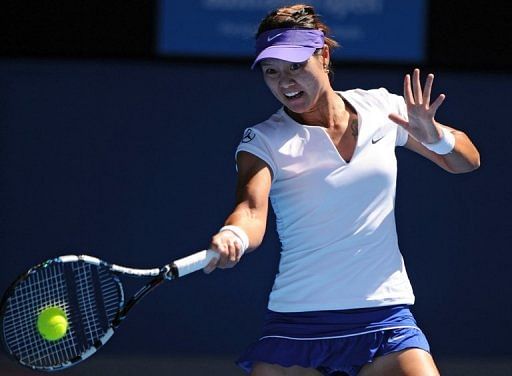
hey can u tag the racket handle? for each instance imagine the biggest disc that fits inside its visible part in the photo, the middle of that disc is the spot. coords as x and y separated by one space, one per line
192 263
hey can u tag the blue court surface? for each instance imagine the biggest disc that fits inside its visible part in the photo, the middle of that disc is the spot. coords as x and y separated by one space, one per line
224 366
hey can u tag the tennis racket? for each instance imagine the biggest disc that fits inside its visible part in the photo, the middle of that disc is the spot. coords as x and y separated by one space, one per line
90 293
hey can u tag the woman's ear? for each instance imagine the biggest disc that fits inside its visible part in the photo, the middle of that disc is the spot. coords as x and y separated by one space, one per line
326 57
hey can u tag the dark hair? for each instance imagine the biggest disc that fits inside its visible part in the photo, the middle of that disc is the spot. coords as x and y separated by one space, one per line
300 16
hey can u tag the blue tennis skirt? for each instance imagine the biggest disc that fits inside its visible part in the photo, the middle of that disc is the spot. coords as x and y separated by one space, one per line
334 342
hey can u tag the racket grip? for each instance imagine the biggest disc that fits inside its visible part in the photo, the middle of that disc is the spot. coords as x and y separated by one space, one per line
194 262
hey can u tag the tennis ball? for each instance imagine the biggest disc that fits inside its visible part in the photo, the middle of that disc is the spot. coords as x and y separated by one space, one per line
52 323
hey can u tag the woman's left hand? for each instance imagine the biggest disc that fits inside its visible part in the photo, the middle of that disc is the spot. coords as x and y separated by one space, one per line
421 124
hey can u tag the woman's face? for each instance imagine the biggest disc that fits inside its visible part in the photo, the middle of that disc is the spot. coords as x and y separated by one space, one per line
298 86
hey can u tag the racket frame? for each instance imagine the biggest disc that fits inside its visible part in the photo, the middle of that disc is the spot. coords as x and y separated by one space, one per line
174 270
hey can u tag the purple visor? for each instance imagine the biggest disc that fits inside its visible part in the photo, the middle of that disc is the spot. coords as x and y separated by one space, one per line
294 45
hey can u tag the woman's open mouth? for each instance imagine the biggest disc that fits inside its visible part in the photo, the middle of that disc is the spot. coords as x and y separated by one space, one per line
294 94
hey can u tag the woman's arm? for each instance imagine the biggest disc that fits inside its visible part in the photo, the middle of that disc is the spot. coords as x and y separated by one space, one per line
425 131
463 158
249 215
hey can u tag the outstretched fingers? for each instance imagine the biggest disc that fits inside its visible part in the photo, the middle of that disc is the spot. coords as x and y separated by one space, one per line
414 94
408 96
428 89
416 87
399 120
438 102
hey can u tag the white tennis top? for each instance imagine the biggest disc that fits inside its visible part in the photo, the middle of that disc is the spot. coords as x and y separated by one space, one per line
335 219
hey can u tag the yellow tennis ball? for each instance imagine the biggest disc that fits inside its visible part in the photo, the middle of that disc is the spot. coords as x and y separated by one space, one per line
52 323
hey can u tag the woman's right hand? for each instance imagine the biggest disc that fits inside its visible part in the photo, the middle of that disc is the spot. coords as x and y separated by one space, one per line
230 250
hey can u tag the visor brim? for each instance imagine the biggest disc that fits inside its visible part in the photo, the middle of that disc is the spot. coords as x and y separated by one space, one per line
293 54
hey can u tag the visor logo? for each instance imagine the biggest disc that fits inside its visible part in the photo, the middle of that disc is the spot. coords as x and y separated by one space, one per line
271 38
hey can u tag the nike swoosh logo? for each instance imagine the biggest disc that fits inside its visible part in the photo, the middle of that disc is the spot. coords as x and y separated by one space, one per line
375 140
271 38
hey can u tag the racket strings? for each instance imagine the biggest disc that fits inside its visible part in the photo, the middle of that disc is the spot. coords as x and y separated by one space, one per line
40 290
98 298
49 286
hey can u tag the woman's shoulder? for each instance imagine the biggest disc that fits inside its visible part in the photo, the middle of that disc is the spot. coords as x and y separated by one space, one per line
380 97
276 124
379 94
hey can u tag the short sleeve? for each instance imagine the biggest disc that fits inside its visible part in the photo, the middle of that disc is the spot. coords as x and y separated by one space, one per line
402 135
392 103
254 142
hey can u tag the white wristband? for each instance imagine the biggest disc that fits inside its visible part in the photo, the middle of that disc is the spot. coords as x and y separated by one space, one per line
240 234
444 145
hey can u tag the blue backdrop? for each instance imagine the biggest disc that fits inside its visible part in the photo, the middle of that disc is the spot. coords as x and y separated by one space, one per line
369 30
133 162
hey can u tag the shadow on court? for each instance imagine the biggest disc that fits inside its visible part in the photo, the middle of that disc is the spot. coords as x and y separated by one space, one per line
219 366
134 366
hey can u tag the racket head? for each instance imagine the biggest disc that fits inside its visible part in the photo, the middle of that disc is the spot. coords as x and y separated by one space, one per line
84 288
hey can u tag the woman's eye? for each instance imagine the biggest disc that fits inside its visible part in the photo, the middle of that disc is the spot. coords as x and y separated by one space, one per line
295 66
270 71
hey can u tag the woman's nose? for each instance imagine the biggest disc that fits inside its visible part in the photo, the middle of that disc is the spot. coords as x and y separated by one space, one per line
286 81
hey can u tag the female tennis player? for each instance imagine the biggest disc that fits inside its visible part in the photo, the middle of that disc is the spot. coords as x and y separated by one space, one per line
326 159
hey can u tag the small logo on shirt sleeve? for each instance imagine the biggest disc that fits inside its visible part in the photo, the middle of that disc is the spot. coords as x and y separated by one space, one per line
248 136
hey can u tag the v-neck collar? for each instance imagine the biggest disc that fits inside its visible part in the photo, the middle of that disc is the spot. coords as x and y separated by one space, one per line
324 130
